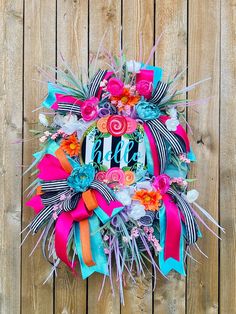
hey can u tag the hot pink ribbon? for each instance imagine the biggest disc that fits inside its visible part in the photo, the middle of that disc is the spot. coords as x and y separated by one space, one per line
61 98
173 229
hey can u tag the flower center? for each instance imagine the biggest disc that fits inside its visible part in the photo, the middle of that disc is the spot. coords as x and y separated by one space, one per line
147 198
124 99
72 146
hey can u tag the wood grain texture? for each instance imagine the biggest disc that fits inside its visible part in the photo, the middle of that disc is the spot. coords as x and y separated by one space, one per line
72 45
203 62
227 164
171 22
104 17
11 60
138 295
39 50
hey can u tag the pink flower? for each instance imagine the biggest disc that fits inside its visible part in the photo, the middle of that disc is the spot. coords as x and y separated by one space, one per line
115 86
144 88
115 174
105 238
162 183
89 109
106 250
101 176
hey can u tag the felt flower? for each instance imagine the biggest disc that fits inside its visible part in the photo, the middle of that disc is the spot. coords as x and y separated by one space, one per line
147 111
133 66
144 88
116 125
125 100
100 176
115 174
137 211
43 119
192 195
150 199
115 86
162 183
172 124
81 178
89 109
70 145
129 177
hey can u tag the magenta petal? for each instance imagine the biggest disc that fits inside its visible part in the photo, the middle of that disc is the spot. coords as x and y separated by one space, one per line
36 203
51 169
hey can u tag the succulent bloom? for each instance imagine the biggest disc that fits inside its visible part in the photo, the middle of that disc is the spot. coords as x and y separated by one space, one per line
147 111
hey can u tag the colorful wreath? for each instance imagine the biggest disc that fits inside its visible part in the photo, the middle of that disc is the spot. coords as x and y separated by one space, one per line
112 173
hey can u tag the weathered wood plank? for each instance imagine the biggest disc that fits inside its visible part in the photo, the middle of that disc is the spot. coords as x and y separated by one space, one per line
203 56
138 17
227 164
39 49
104 16
171 22
11 60
72 44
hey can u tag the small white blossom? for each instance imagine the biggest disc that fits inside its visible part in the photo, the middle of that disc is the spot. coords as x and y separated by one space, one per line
192 195
137 211
172 112
133 66
43 139
124 197
43 119
172 124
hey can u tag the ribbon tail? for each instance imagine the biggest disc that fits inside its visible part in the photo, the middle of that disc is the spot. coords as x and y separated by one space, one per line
167 260
97 249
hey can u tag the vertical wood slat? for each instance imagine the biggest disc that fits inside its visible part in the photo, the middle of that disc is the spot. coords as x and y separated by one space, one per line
104 16
72 45
138 16
227 164
204 43
171 56
11 61
39 48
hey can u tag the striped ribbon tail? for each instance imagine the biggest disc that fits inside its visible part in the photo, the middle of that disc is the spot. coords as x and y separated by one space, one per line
190 222
52 198
160 148
72 108
54 185
104 190
41 218
71 203
159 92
176 143
95 82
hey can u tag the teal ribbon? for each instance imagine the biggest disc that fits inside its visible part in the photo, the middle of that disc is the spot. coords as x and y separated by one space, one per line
51 98
157 73
170 264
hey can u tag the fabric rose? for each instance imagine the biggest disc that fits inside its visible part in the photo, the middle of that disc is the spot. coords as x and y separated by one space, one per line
144 88
117 125
115 86
115 174
133 66
147 111
100 176
89 109
124 197
81 178
162 183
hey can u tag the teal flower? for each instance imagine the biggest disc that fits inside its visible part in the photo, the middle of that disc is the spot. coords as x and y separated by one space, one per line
81 178
147 111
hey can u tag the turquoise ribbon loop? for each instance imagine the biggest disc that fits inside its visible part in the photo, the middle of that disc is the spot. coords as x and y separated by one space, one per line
99 257
170 264
51 98
157 73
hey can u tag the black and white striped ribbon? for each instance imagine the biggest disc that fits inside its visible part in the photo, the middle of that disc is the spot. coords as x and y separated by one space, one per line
72 108
95 82
190 223
51 198
41 218
103 189
54 185
70 203
159 92
161 147
176 144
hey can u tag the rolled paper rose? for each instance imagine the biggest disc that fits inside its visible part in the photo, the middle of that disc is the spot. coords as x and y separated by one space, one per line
102 124
144 88
89 109
115 175
162 183
129 177
115 86
131 125
100 176
147 111
117 125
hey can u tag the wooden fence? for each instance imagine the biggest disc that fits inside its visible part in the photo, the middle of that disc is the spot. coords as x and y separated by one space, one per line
197 34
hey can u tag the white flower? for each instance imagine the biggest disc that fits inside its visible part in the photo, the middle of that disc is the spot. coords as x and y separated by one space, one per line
192 196
124 197
43 120
133 66
144 185
137 211
43 139
172 112
172 124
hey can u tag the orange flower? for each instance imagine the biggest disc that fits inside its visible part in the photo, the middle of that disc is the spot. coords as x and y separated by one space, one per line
125 99
151 200
71 145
